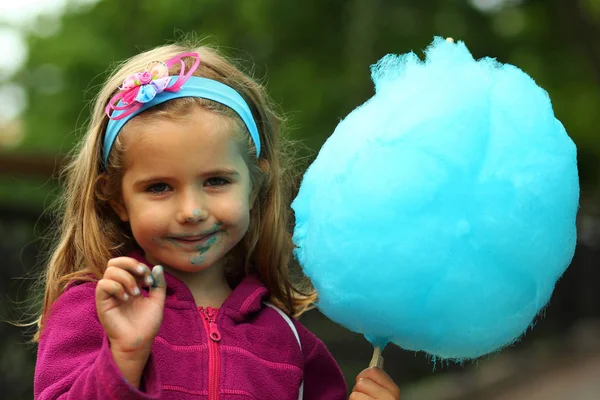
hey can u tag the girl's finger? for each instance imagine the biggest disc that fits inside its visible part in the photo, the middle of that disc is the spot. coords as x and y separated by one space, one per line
124 278
372 389
107 288
139 270
379 377
158 290
359 396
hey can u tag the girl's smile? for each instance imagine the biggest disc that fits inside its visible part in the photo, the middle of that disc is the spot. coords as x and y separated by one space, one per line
189 241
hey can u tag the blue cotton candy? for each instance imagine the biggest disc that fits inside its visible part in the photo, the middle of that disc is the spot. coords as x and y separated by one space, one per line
440 214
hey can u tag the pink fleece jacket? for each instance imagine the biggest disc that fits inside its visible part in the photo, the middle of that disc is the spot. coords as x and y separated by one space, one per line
253 353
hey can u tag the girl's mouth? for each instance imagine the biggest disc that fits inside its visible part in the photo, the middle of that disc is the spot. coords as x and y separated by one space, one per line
193 241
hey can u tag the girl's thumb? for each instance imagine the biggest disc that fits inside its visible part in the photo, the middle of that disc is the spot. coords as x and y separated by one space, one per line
158 290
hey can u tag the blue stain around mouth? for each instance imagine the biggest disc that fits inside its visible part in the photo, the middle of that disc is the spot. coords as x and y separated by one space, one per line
203 248
197 260
173 242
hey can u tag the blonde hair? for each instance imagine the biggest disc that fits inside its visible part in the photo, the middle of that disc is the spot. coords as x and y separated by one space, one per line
90 233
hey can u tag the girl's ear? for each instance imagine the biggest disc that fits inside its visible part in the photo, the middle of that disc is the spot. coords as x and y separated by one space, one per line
266 171
105 193
120 209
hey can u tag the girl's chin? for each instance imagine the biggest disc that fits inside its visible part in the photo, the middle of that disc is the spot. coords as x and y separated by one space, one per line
184 261
188 265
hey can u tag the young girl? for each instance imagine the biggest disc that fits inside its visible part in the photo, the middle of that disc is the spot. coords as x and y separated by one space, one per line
169 279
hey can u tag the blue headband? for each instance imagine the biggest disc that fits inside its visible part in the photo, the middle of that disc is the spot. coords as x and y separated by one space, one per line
194 87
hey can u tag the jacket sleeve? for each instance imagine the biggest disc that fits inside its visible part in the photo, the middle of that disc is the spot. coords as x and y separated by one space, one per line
323 378
74 359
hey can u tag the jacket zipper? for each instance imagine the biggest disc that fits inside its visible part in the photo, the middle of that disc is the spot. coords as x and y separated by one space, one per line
209 318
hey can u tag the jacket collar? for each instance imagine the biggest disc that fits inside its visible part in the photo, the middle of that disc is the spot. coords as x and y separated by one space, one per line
245 299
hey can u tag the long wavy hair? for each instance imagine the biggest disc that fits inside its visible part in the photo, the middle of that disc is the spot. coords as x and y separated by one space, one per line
89 232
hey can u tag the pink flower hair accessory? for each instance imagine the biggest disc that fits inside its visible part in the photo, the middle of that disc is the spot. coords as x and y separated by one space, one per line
142 87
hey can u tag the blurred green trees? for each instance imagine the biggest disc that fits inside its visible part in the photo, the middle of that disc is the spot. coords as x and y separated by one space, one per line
314 56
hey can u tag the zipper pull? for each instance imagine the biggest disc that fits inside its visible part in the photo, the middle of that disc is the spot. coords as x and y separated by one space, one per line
213 330
210 315
214 333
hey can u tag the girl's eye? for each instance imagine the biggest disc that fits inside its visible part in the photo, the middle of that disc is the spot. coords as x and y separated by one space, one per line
216 182
157 188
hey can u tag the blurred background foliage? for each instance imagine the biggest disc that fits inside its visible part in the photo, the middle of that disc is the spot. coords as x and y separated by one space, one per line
314 57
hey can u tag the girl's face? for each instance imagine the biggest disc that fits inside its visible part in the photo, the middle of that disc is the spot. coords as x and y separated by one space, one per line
185 190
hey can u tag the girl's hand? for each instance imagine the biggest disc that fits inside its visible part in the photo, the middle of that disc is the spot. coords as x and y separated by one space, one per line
131 321
374 384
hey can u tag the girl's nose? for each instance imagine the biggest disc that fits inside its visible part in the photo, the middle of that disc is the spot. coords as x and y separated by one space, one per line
192 210
194 215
